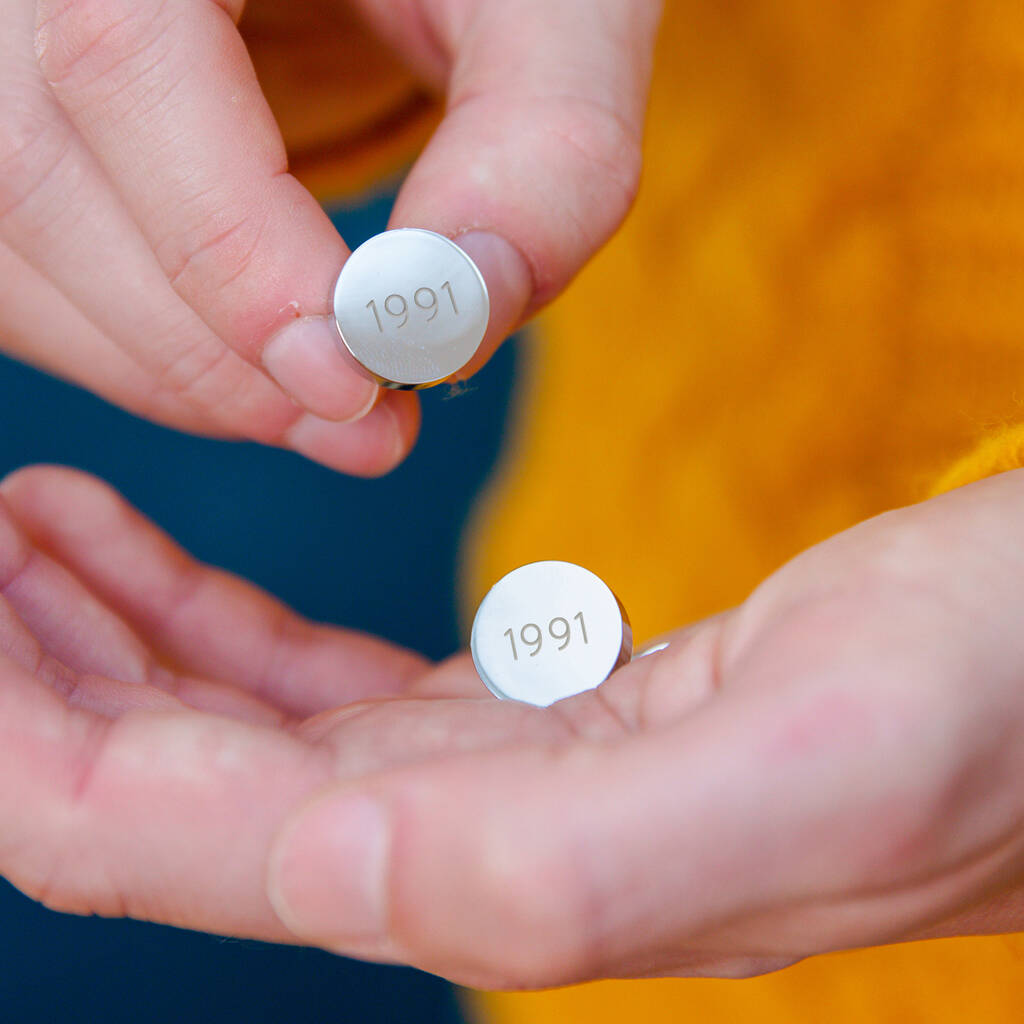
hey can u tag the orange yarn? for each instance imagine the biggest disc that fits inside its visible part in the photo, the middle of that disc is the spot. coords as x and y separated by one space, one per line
349 111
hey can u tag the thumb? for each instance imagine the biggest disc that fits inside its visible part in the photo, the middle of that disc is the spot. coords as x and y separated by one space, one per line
538 157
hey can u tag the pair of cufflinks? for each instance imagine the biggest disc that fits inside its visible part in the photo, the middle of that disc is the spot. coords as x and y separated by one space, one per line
412 309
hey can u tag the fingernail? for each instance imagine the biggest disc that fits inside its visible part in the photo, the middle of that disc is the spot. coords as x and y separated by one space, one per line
509 285
303 357
327 876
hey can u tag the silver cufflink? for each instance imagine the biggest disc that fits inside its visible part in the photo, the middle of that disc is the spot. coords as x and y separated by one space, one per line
547 631
411 308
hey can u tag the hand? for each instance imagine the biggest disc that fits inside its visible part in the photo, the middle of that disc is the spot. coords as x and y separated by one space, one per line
154 248
835 763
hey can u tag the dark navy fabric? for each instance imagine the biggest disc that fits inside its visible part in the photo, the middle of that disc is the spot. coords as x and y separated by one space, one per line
377 555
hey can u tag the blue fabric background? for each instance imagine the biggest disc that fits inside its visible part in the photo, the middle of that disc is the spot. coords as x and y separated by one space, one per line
377 555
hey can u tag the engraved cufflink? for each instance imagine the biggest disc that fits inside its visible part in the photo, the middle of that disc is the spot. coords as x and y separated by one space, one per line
411 308
547 631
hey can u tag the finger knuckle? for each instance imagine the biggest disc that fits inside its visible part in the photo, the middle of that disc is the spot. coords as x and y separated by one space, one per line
213 379
33 143
194 372
83 42
213 254
50 857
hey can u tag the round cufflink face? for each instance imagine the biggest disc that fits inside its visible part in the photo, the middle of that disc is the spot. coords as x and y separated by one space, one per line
411 308
547 631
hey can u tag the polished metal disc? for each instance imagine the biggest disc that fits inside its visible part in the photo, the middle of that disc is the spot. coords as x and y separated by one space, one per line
411 308
549 630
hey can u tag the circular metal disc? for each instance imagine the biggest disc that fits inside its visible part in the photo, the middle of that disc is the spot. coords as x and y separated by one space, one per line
547 631
411 308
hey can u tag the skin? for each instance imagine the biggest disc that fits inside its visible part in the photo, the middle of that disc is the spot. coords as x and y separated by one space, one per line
834 763
155 249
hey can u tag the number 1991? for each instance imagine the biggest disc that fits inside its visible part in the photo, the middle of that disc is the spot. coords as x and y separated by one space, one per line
559 629
397 307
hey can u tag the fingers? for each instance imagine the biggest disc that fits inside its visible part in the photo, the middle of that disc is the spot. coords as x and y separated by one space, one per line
668 679
454 677
167 99
379 735
56 629
162 817
60 214
183 172
538 157
113 698
93 360
63 618
449 710
207 622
